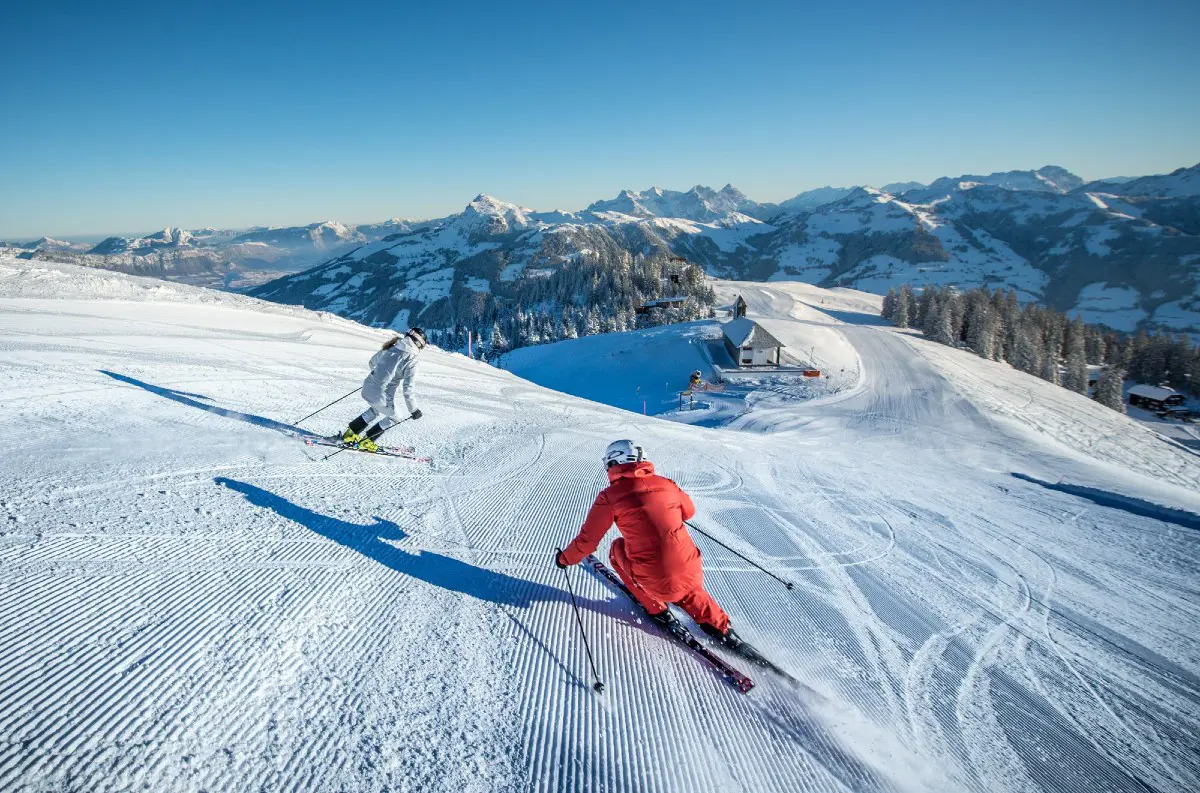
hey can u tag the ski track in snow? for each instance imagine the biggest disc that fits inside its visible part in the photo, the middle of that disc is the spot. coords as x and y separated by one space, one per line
189 602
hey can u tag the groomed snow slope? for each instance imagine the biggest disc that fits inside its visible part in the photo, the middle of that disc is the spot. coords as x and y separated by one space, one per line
187 602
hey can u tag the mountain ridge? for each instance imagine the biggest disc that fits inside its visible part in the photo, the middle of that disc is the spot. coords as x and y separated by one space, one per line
1123 252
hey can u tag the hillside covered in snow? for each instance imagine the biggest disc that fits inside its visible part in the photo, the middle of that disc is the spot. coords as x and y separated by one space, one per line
993 577
1125 254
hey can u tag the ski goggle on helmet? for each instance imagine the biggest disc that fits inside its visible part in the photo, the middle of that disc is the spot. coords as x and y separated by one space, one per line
621 452
418 337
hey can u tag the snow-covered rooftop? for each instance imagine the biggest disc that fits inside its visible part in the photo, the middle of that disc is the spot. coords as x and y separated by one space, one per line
1153 391
745 332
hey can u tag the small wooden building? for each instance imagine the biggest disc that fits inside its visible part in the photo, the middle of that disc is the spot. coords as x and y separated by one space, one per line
1154 397
662 303
749 344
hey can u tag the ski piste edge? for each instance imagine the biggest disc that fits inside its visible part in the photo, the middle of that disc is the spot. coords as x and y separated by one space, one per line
384 451
685 637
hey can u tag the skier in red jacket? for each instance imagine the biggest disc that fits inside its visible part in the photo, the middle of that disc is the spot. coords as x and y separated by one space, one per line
654 555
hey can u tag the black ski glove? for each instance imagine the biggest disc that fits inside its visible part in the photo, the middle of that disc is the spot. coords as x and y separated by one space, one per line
416 414
558 562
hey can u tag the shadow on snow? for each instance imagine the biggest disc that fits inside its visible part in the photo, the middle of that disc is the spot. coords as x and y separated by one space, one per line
1134 506
374 541
855 317
192 400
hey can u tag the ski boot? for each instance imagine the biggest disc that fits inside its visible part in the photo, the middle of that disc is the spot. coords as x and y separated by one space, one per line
350 437
367 445
669 623
664 619
728 639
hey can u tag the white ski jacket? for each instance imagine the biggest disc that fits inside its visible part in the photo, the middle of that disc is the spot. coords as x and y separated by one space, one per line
389 369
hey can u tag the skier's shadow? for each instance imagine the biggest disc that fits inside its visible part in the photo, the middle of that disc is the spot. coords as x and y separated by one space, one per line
374 542
193 400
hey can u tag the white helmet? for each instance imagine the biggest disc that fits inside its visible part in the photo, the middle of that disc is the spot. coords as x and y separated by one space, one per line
621 452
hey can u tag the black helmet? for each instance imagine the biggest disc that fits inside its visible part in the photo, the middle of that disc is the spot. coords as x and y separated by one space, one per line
418 337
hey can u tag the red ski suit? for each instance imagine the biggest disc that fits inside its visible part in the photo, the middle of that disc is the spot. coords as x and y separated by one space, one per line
654 555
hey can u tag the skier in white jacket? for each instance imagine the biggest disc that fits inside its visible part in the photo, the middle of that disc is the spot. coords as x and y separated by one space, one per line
394 366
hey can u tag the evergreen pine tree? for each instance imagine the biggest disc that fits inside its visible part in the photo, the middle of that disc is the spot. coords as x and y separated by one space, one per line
1094 345
943 333
933 313
1076 376
958 315
1110 389
903 315
1026 355
1011 318
889 305
910 300
1049 371
979 328
1178 355
925 307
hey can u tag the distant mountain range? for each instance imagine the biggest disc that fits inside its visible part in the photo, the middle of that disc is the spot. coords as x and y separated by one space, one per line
214 257
1123 251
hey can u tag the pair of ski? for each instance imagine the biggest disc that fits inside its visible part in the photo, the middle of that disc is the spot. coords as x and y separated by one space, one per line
680 633
403 452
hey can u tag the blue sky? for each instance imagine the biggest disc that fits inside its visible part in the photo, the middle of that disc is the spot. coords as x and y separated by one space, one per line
130 117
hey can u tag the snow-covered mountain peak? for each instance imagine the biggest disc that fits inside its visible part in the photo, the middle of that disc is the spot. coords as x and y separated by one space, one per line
169 236
811 199
862 196
1048 179
489 215
49 244
1180 183
491 205
700 203
1057 178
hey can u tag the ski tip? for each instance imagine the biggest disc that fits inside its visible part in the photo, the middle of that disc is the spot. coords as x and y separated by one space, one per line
744 686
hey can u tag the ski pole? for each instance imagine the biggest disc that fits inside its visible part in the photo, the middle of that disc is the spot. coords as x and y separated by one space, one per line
787 584
331 404
380 435
598 686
